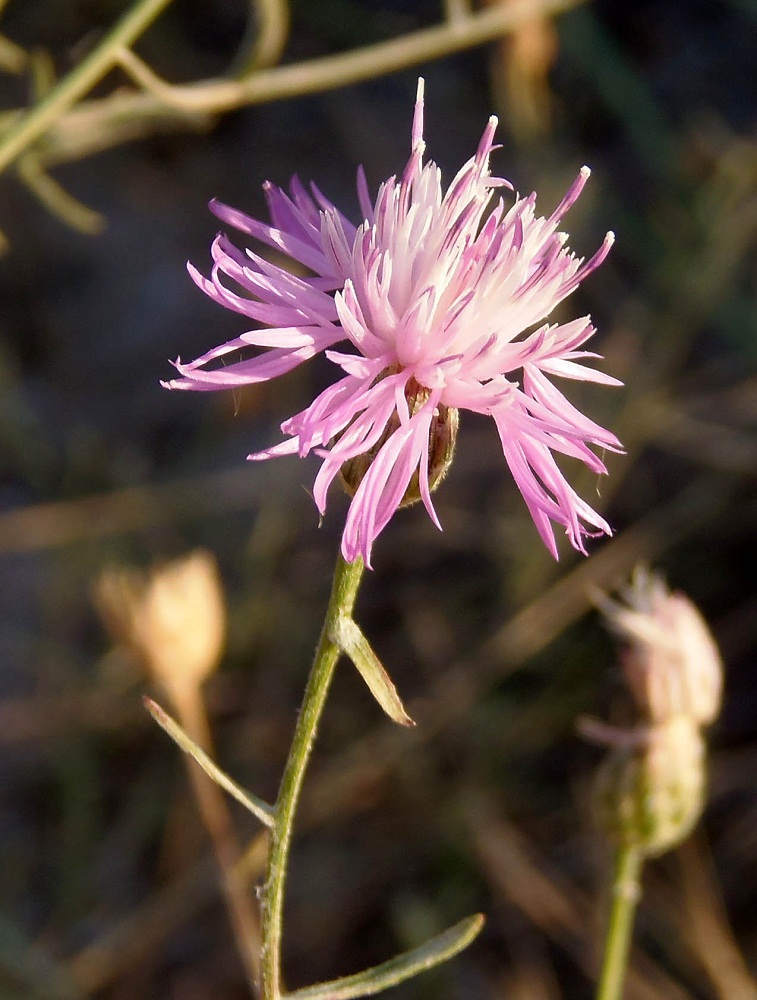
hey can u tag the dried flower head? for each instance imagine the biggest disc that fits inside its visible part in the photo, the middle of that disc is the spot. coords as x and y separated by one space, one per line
443 297
172 618
670 659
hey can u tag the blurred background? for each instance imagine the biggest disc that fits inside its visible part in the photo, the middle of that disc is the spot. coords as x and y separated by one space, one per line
108 886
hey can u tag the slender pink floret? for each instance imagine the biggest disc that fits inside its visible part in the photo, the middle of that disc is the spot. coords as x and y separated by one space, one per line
449 291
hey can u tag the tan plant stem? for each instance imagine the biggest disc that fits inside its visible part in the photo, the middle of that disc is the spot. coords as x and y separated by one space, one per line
344 590
190 707
366 63
80 80
265 38
98 124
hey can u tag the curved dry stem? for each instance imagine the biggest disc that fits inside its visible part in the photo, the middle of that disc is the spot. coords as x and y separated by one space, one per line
365 63
56 199
13 59
265 38
79 81
123 116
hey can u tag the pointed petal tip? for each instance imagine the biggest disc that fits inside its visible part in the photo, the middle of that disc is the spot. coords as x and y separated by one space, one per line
176 383
365 556
351 553
416 134
352 550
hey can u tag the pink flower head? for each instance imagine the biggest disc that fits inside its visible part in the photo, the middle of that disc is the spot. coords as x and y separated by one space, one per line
434 291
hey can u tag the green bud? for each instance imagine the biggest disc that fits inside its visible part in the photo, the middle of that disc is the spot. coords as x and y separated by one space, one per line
650 794
442 438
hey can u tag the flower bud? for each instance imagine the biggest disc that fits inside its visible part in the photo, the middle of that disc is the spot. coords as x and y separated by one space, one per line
172 618
651 794
671 662
442 437
649 791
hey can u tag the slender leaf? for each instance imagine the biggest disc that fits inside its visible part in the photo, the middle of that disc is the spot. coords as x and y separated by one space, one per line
398 969
347 635
256 806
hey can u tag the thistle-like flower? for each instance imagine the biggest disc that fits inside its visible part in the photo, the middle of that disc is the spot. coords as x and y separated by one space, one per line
443 298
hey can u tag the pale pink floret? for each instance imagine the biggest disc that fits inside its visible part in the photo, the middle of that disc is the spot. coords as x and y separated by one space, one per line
439 287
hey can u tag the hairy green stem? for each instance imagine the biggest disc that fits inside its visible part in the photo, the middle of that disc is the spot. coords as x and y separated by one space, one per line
344 590
626 889
80 80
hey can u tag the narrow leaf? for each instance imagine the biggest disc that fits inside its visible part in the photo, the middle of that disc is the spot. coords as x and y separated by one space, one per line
347 635
256 806
398 969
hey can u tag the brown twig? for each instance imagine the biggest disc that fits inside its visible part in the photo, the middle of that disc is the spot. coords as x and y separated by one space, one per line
190 707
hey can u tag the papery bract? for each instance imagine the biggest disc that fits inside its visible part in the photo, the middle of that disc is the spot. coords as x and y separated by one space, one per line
670 659
448 291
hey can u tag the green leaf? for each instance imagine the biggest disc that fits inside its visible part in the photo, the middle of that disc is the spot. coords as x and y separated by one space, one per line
256 806
398 969
347 635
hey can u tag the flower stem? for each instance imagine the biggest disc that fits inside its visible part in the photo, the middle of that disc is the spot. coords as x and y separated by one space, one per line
344 589
626 889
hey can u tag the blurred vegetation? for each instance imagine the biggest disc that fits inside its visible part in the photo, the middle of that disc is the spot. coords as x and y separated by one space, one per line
108 886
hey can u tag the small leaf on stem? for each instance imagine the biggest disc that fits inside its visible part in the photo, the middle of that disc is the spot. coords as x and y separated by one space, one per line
262 810
380 977
347 635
